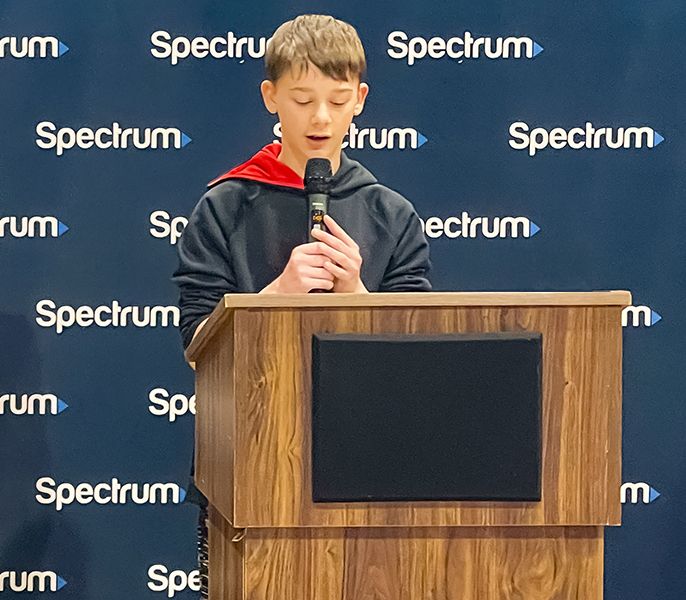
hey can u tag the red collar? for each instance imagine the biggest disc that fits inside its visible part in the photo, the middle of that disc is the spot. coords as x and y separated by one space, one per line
264 167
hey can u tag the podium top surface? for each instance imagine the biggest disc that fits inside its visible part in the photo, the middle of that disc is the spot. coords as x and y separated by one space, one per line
426 299
232 302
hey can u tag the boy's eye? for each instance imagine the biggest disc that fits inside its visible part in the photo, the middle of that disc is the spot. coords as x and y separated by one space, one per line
303 102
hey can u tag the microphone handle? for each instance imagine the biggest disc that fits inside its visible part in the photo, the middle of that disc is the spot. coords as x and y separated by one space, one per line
318 206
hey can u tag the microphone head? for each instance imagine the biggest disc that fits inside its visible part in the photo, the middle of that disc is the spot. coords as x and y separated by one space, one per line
318 177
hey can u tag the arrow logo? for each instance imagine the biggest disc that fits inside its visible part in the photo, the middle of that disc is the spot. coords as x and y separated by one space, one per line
61 228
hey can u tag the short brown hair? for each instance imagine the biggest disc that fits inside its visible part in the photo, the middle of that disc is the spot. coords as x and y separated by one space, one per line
331 45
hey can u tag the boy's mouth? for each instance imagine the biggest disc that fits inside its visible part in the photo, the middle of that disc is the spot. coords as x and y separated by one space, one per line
318 138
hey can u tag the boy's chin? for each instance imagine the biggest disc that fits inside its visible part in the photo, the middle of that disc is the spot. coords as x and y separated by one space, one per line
324 150
307 149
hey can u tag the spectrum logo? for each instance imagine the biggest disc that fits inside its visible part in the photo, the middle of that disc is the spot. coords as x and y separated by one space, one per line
31 404
30 581
112 137
378 139
32 227
473 227
161 404
166 226
632 316
112 315
633 493
228 46
32 47
161 580
578 138
111 492
460 48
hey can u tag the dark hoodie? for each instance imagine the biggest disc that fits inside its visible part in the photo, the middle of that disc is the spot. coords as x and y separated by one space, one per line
240 235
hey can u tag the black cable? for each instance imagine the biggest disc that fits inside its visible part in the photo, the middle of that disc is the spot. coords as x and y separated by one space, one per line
203 552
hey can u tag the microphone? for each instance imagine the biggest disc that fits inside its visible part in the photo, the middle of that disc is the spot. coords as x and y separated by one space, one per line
318 183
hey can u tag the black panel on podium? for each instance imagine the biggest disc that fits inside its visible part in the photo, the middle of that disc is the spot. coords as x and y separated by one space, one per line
418 417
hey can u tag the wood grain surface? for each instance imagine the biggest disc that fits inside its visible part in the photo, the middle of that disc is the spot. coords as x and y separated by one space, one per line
226 559
215 422
521 563
254 460
271 474
407 299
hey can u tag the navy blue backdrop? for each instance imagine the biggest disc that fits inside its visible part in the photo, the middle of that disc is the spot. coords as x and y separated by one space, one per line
484 97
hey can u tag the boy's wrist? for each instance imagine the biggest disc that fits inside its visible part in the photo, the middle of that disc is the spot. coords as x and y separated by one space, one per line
272 288
358 288
361 289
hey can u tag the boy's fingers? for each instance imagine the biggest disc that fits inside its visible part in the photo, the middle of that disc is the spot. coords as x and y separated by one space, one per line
322 248
331 240
320 283
335 269
337 230
317 273
334 255
311 248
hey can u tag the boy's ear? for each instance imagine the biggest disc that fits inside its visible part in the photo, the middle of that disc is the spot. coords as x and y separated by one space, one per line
362 91
268 91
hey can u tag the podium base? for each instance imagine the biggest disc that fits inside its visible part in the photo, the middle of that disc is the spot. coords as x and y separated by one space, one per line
447 563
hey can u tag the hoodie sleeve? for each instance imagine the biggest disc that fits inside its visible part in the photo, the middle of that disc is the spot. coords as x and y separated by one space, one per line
408 269
205 271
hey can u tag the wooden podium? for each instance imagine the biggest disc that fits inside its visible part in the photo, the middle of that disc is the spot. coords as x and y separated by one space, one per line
268 539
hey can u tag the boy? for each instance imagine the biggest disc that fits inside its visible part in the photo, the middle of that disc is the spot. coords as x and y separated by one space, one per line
247 234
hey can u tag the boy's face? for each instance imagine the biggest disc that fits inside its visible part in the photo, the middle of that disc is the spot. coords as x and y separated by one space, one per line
315 112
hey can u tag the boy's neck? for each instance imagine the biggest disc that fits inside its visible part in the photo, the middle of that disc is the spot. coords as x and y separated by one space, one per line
298 163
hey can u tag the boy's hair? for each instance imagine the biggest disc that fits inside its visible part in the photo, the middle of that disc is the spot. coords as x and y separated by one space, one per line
331 45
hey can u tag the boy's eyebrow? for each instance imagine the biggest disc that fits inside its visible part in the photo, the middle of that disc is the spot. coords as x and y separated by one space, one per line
306 89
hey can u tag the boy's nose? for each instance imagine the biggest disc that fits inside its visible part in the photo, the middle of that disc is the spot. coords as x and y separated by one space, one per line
322 115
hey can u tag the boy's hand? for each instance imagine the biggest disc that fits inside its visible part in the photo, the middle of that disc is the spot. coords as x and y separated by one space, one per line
333 263
344 260
304 272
